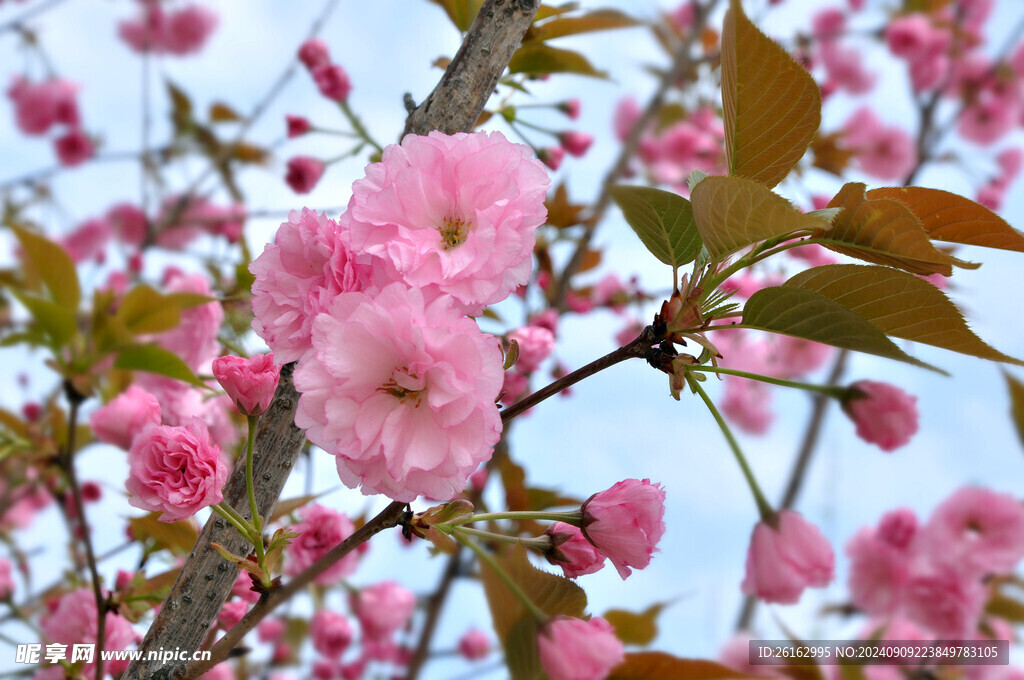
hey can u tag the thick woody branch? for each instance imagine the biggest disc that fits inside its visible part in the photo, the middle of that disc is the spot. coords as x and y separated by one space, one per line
207 578
467 83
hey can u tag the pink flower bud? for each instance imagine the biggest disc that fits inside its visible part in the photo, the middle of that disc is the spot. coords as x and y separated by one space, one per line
331 633
572 551
314 53
552 156
249 382
571 108
576 143
474 645
383 608
786 558
574 649
175 470
297 126
303 173
231 613
125 416
626 522
7 582
885 415
332 81
187 30
535 345
270 629
74 148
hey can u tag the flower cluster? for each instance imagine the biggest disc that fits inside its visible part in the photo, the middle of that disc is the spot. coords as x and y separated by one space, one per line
40 106
395 380
180 32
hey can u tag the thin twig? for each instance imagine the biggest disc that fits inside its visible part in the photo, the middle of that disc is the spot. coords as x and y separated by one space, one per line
18 23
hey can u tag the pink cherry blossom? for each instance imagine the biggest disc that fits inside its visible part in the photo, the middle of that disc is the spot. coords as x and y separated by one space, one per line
845 68
929 71
73 620
314 53
575 143
552 156
40 106
944 600
74 148
794 357
882 151
474 645
828 24
383 609
331 633
880 563
176 471
401 389
303 173
88 241
271 629
146 32
187 30
914 37
128 224
625 522
231 613
573 552
320 529
332 81
989 118
571 108
242 588
535 345
747 404
195 337
574 649
786 558
249 382
978 531
884 414
125 416
296 279
627 113
455 213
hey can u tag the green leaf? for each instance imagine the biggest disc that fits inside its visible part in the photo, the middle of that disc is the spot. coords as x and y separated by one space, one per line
187 300
143 310
1006 608
950 217
812 316
662 666
537 59
178 537
521 651
181 108
54 266
900 304
633 628
598 20
1016 388
461 12
663 221
733 212
155 359
290 505
56 321
884 231
771 104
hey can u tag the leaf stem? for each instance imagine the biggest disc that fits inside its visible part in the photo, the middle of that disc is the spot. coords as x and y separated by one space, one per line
235 520
827 390
257 521
763 506
573 517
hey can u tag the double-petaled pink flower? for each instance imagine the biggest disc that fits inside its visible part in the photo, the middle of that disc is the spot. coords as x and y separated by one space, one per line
176 471
572 551
451 213
121 419
320 530
401 389
884 414
626 522
786 558
249 382
574 649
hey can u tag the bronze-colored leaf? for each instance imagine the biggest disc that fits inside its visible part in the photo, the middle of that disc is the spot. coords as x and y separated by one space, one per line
771 104
950 217
178 537
830 155
734 212
561 213
634 628
598 20
538 59
222 113
1016 388
901 304
662 666
884 231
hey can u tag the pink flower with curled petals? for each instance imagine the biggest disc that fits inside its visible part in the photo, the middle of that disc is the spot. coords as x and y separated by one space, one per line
297 277
297 126
320 529
128 224
884 414
882 151
574 649
978 531
625 522
914 37
944 600
575 143
176 471
332 81
249 382
383 609
401 389
331 633
451 213
845 68
880 563
40 106
125 416
572 551
231 613
314 53
552 156
786 558
194 339
474 645
989 118
303 173
88 241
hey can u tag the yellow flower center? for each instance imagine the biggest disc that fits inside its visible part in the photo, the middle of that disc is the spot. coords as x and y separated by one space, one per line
454 232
